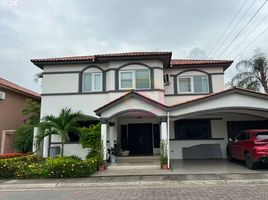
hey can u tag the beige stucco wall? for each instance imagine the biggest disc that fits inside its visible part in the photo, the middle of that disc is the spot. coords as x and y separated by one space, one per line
60 83
69 82
218 130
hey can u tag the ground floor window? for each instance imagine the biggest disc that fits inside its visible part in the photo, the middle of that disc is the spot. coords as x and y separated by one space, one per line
192 129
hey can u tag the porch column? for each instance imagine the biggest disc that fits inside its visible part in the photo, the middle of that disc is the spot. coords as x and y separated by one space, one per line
34 139
164 134
45 146
104 137
111 133
163 129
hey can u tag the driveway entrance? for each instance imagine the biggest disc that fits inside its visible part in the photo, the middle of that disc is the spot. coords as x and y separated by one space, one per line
202 166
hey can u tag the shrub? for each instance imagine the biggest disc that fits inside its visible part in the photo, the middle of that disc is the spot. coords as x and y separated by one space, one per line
61 167
17 167
91 138
23 140
57 167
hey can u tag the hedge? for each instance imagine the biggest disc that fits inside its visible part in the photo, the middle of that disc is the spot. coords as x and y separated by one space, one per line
17 167
36 167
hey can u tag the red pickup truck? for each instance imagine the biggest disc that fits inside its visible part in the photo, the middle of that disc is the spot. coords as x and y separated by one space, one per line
250 146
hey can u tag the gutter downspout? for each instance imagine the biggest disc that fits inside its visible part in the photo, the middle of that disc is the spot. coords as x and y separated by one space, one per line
168 152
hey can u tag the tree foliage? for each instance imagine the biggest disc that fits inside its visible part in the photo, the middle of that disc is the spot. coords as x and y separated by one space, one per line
91 138
32 111
60 125
252 74
23 140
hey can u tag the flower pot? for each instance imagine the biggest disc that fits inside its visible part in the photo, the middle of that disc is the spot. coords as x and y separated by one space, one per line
125 153
113 159
164 166
101 168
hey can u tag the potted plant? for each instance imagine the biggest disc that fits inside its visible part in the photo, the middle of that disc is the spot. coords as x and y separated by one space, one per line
163 155
113 152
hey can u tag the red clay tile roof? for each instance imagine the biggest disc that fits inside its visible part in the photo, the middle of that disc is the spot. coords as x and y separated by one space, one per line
16 88
133 54
168 61
70 58
94 57
175 62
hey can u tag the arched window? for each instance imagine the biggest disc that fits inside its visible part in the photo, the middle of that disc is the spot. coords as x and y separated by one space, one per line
195 82
92 80
134 77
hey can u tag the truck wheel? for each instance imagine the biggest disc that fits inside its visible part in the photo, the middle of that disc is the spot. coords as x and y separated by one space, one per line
249 162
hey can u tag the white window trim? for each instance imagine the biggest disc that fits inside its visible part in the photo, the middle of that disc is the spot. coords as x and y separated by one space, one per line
133 72
192 85
207 85
92 82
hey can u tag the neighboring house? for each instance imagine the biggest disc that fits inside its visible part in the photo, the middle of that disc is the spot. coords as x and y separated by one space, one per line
142 97
12 103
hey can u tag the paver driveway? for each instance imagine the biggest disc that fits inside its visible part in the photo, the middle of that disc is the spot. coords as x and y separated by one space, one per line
252 192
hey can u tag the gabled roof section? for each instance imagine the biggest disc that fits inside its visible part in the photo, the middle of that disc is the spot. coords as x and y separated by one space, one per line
220 94
18 89
175 63
163 56
131 94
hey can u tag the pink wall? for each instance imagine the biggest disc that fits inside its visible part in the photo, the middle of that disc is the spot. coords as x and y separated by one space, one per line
11 111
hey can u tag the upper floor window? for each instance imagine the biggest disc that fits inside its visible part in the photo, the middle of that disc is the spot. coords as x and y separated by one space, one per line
134 79
193 84
92 82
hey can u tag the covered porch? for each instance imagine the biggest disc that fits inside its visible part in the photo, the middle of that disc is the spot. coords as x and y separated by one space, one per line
197 129
200 129
136 124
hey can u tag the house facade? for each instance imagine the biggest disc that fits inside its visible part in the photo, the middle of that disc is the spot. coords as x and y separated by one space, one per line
12 103
143 97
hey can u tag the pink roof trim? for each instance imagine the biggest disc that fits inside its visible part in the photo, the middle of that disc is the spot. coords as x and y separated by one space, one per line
12 86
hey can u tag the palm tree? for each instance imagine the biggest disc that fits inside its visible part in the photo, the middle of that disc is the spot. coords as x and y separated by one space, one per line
60 125
252 73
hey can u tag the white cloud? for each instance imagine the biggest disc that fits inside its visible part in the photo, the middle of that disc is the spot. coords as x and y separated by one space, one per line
36 29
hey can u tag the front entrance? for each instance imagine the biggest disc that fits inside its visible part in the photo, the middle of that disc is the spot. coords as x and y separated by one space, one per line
138 138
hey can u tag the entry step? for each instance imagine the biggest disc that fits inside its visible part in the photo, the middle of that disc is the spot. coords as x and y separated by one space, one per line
133 166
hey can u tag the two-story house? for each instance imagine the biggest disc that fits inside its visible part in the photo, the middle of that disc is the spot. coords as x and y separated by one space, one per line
143 97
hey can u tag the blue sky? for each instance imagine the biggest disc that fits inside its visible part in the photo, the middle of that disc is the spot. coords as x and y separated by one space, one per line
188 28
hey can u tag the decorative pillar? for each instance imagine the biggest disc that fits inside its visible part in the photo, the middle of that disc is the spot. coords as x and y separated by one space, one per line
35 133
164 135
104 137
163 129
45 146
111 134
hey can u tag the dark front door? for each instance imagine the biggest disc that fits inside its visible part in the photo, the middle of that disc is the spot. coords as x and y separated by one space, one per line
140 139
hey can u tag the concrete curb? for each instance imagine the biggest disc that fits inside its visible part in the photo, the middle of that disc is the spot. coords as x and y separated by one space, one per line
136 184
